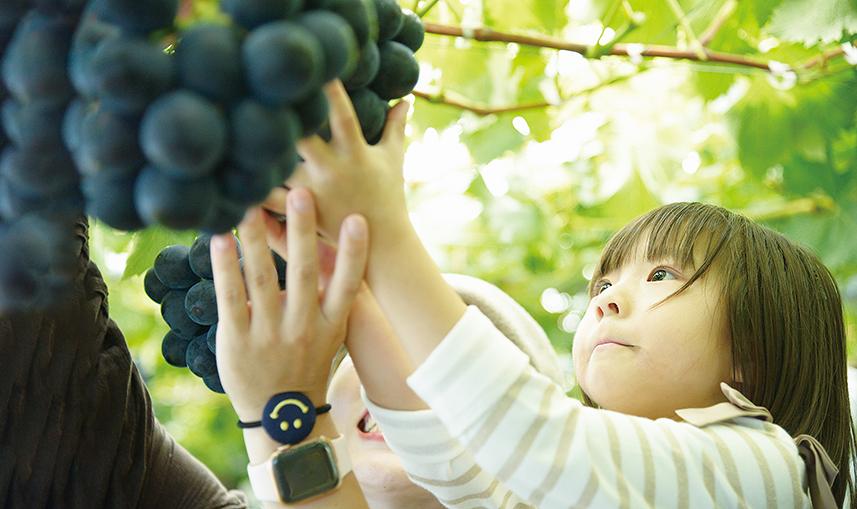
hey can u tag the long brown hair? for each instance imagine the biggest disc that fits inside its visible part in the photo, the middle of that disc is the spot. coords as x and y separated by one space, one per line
784 311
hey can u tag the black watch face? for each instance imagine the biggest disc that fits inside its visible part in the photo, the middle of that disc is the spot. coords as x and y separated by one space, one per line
305 472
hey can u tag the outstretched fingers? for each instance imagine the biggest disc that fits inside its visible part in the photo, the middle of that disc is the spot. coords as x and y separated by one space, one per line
302 268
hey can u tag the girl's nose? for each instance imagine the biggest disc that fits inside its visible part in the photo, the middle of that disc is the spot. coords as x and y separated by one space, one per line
609 303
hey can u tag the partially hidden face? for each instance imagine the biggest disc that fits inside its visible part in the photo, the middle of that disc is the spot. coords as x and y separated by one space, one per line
639 352
378 470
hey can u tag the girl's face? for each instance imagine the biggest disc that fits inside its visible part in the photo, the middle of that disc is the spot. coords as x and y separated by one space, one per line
638 355
378 470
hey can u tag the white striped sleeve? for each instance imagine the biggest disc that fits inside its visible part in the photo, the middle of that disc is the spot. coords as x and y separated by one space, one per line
553 452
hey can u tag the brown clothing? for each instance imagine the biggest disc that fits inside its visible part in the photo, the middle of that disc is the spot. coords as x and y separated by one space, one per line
77 428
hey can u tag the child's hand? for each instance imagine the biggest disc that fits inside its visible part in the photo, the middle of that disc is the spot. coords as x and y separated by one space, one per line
347 175
279 342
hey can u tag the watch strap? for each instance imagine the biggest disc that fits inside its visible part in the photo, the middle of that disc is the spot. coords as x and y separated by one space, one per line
262 475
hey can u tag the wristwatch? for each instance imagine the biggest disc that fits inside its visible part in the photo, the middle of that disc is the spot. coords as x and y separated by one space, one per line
301 473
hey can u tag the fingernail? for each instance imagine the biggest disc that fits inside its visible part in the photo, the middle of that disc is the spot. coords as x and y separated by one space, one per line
300 201
219 242
355 227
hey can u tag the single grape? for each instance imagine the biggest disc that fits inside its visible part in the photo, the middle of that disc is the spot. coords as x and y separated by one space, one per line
413 31
313 112
34 63
252 13
243 188
32 127
208 62
398 72
390 19
184 134
172 266
371 113
360 14
262 135
199 358
172 311
107 143
338 42
225 217
176 204
39 173
111 200
199 256
127 73
155 288
174 349
213 383
137 16
211 338
366 69
284 62
200 303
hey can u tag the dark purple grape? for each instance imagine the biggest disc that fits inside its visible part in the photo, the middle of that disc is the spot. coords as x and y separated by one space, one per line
11 12
128 73
176 204
155 288
184 135
32 127
225 217
111 200
208 62
39 174
313 112
390 19
337 41
201 304
398 72
172 266
284 62
371 113
262 135
199 358
199 256
172 311
367 67
34 64
413 31
108 144
245 189
213 383
211 338
174 349
360 14
253 13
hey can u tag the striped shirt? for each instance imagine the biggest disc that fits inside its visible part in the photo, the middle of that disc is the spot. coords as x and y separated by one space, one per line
500 435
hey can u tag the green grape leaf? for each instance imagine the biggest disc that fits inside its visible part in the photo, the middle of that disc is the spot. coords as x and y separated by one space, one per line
148 243
813 21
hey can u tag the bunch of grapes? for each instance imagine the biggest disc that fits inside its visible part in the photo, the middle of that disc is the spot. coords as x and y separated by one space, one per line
181 281
109 110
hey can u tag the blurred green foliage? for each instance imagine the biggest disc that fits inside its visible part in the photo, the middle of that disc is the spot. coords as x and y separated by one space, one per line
525 197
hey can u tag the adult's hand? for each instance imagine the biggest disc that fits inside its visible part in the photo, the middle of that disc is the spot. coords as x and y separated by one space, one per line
280 342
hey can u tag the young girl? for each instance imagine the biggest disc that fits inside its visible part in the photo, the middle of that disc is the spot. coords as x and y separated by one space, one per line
693 310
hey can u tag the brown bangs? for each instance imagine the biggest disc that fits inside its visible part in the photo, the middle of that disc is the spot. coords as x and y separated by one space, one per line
691 234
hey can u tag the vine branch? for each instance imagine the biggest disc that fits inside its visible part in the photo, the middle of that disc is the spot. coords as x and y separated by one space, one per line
489 35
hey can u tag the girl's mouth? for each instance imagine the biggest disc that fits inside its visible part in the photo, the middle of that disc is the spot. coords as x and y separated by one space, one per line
369 429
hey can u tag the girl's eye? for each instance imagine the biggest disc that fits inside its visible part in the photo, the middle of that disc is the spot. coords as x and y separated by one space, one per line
661 275
601 286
